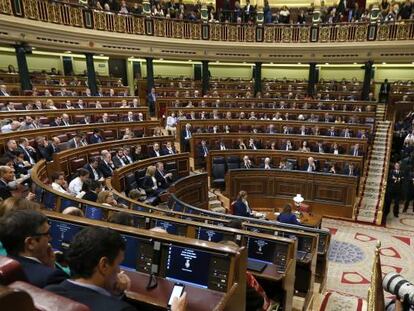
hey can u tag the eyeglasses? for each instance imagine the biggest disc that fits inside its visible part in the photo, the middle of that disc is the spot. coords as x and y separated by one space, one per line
47 233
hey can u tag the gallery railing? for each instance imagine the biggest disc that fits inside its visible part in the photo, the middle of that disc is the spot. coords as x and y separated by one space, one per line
84 17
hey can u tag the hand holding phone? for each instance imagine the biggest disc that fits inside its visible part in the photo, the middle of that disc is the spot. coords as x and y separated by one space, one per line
176 293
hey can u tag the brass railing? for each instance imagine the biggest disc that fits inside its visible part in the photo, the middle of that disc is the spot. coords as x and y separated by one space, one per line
80 16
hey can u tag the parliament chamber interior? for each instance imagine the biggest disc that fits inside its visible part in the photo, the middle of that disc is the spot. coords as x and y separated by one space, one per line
192 155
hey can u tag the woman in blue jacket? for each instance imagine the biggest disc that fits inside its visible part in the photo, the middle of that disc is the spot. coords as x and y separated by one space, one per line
241 206
287 216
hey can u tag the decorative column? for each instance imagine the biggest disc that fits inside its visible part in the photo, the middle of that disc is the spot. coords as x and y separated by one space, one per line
150 74
312 79
206 77
23 69
257 77
90 69
367 79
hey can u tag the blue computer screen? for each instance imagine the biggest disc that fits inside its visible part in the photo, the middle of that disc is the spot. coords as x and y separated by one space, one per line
261 249
62 233
131 252
188 265
209 235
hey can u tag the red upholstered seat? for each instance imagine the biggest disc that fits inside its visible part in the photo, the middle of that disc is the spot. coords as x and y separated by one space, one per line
75 164
10 271
47 301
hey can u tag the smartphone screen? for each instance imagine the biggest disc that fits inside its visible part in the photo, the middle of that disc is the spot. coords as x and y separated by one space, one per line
177 292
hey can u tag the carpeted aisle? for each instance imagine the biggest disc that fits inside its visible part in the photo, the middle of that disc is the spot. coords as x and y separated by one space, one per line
352 251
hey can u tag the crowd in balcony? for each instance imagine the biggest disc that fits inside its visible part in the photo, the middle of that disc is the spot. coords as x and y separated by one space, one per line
344 11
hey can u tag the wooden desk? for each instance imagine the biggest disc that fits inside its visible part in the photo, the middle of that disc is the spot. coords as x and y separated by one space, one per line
198 299
330 194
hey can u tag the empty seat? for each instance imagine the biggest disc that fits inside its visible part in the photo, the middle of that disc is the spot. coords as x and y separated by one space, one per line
63 138
130 182
108 135
171 167
76 164
233 162
218 172
139 177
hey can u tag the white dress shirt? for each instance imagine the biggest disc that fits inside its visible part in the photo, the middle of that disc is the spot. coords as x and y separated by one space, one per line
75 186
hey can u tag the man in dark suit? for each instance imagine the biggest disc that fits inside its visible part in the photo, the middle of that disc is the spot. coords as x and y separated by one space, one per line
267 165
106 165
163 179
202 152
253 145
246 163
319 148
384 91
29 153
118 159
186 136
75 142
96 137
85 120
395 182
287 146
331 132
53 145
42 149
92 188
151 100
351 170
221 145
155 152
57 122
25 235
130 117
94 256
310 166
168 149
93 169
356 151
6 176
3 90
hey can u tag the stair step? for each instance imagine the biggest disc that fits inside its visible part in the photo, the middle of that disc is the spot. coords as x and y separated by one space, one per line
212 196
